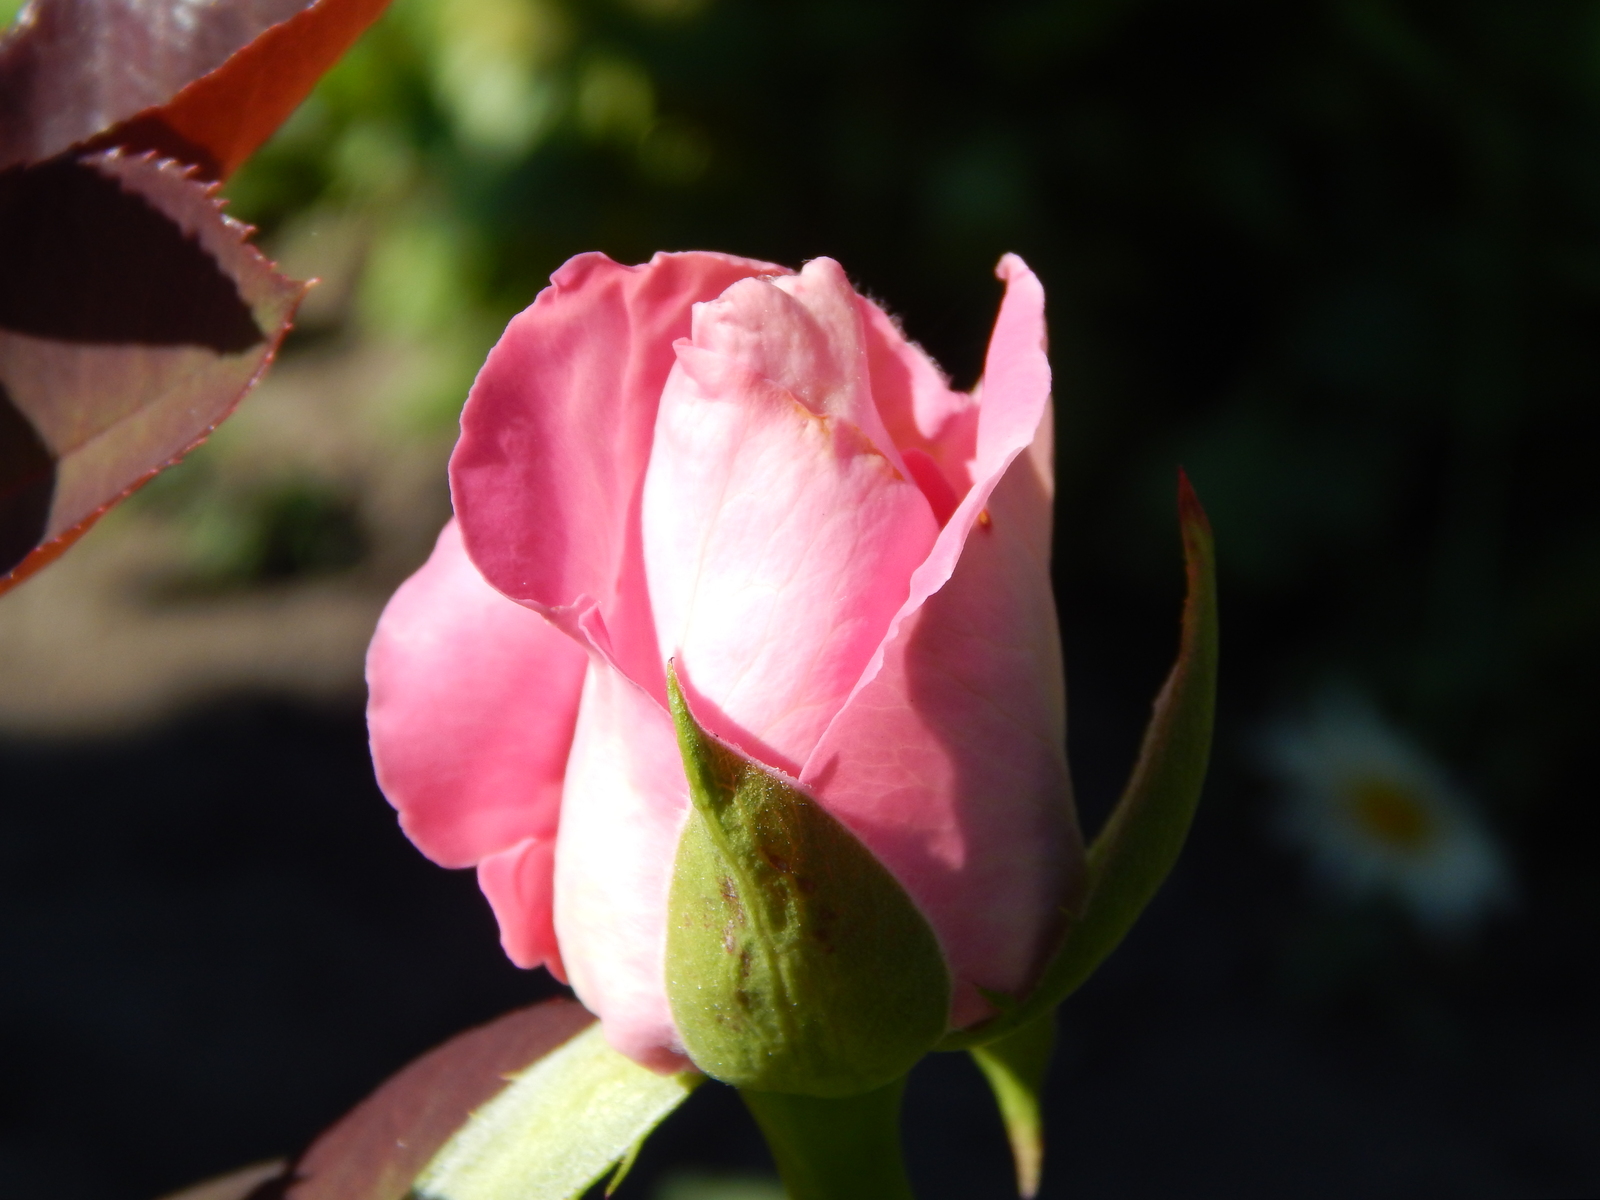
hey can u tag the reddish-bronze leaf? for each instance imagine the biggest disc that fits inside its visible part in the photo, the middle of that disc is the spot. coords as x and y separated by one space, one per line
224 116
205 84
70 69
133 317
378 1148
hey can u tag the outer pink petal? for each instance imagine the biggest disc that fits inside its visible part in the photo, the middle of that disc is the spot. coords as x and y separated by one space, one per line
949 759
1016 373
779 545
556 434
626 804
472 701
520 885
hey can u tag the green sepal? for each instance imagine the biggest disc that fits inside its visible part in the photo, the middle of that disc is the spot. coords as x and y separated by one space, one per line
1140 841
1016 1066
795 962
620 1172
556 1129
845 1148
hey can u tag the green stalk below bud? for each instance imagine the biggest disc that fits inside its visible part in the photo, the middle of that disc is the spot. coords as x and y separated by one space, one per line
843 1149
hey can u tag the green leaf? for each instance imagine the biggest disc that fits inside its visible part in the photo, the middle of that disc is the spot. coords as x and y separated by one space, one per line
795 962
1015 1066
556 1129
1141 839
377 1149
844 1148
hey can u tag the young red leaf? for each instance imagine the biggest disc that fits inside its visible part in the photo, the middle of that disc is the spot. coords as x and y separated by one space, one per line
203 84
133 317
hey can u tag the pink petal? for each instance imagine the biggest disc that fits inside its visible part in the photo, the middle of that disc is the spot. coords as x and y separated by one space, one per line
949 760
1016 373
472 701
520 886
626 803
779 545
556 434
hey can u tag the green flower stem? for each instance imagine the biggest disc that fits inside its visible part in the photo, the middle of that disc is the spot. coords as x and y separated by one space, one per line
846 1148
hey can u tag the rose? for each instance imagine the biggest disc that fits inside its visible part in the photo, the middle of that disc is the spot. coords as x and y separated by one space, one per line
751 473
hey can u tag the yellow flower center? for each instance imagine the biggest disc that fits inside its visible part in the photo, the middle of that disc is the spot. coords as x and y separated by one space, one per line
1391 813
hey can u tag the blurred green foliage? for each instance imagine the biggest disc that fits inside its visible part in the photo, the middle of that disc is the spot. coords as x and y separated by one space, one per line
1340 258
241 535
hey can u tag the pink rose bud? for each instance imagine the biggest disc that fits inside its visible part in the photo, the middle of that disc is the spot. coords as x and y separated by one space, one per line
753 475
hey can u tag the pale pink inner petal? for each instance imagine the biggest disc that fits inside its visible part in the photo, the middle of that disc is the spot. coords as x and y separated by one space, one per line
623 814
472 701
779 543
804 333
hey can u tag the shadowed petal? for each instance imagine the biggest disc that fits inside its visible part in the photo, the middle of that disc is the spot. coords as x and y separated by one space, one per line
922 414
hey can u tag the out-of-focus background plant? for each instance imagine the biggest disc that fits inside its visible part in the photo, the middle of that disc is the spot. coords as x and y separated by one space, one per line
1341 259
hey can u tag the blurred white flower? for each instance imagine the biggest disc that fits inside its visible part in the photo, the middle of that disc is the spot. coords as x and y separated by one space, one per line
1376 815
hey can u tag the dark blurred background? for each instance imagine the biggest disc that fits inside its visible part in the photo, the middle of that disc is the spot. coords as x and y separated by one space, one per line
1340 259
